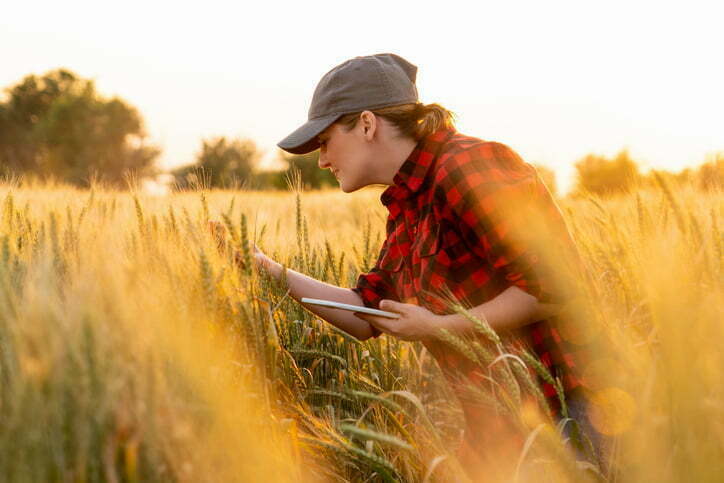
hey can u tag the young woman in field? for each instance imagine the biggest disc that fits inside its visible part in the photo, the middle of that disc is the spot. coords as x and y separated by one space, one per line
467 218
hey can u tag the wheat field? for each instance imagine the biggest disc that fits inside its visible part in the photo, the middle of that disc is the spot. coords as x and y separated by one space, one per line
131 349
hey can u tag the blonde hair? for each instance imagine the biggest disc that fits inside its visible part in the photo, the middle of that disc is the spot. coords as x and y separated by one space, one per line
416 120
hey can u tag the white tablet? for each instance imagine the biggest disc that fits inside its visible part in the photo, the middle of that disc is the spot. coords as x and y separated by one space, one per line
352 308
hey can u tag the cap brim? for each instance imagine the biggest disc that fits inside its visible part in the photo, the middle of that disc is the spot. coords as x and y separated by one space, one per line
304 139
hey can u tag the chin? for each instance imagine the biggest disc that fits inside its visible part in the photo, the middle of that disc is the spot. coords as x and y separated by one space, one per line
347 187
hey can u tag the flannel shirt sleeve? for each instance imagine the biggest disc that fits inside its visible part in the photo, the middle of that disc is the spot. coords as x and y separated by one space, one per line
375 285
507 216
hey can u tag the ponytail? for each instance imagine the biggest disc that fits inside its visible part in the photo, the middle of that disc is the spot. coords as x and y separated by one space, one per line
432 117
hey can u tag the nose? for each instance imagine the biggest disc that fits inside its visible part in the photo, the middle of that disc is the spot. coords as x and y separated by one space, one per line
322 159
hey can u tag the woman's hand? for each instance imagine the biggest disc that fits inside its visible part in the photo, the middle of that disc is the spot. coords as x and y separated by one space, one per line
261 260
415 322
218 231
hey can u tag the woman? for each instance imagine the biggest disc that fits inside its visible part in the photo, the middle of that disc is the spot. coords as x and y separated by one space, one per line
467 218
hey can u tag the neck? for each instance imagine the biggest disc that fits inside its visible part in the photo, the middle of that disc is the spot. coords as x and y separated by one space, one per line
394 156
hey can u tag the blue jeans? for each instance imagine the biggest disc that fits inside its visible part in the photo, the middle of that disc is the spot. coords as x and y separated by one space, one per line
586 441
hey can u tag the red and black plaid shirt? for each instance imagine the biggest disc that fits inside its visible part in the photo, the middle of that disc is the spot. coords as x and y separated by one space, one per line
454 209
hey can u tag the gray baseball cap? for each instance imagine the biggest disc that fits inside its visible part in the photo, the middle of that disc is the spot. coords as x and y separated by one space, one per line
361 83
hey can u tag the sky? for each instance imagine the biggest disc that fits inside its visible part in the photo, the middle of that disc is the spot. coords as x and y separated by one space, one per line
554 80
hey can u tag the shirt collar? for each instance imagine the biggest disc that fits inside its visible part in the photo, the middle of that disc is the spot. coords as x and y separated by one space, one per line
413 171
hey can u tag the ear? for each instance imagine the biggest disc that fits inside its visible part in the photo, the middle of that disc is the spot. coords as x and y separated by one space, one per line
369 124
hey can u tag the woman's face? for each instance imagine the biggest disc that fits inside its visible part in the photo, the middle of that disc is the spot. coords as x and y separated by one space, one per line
347 155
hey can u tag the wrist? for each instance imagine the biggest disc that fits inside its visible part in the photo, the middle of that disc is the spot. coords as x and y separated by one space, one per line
274 268
455 323
438 323
446 321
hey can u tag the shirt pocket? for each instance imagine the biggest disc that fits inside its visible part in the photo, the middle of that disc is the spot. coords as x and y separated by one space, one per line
428 240
392 260
429 271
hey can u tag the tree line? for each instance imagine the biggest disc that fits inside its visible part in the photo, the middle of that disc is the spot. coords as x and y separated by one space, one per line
608 176
233 163
58 126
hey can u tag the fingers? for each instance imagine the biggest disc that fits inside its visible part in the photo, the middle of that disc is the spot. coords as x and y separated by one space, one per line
216 227
377 322
260 260
389 305
218 231
239 259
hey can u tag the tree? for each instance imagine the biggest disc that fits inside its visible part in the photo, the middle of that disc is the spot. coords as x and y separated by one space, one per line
603 176
221 163
308 165
58 126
